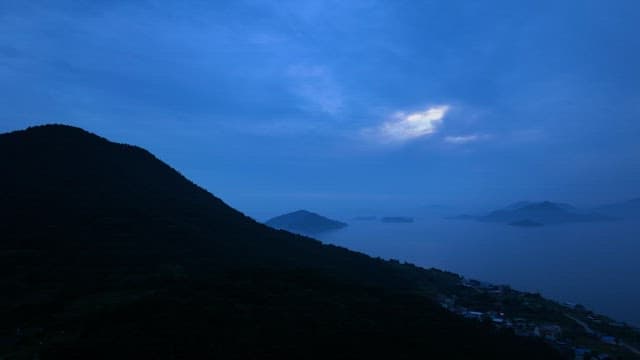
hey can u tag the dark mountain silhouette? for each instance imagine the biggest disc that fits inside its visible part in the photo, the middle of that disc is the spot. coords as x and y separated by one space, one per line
107 252
304 222
627 210
545 212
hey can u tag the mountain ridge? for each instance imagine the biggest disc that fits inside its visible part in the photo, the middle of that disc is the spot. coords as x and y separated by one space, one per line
108 252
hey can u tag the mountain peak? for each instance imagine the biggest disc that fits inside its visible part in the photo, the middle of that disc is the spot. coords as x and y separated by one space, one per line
139 250
540 205
53 137
63 174
55 126
303 212
52 129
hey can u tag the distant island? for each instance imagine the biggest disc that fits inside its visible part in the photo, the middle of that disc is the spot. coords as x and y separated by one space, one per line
530 214
305 222
523 204
397 219
526 223
545 212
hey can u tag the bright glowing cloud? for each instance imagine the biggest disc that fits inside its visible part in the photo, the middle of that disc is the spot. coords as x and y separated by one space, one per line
466 139
409 126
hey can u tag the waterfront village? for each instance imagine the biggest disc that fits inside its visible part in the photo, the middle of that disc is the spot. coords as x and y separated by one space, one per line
570 328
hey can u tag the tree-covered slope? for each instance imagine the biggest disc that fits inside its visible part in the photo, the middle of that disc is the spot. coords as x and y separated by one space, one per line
107 252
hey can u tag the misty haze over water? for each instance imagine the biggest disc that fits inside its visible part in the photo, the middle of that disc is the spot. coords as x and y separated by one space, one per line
594 264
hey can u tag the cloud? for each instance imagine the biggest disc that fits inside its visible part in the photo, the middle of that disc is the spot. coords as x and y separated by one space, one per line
282 128
410 126
318 88
464 139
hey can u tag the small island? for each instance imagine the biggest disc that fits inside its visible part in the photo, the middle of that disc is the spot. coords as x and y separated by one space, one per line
305 222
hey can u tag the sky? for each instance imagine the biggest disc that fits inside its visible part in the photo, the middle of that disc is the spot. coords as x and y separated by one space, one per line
344 105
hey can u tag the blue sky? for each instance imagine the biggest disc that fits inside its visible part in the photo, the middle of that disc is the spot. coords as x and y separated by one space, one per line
335 105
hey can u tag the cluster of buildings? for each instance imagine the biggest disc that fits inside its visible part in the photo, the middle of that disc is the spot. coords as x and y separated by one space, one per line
553 333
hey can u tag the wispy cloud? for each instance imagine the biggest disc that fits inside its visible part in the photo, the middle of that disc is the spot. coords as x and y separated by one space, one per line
317 87
409 126
465 139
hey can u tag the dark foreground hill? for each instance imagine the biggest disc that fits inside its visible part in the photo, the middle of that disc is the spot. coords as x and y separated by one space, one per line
107 252
305 222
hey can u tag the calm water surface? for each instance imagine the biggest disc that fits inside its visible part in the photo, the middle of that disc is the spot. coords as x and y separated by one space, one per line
597 264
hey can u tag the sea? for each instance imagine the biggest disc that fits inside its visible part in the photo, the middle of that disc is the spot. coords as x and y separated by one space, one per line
593 264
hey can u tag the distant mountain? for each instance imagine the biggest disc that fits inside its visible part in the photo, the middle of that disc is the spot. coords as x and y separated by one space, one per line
397 219
526 223
626 209
522 204
545 212
107 252
304 222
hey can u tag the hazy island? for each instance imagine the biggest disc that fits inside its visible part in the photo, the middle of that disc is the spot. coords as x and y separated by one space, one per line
534 214
545 212
305 222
